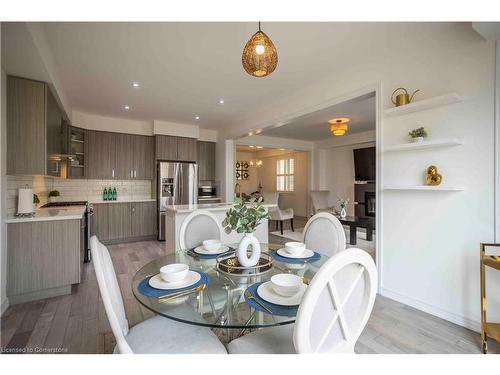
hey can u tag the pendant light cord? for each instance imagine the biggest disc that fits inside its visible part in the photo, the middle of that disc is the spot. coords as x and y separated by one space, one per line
259 25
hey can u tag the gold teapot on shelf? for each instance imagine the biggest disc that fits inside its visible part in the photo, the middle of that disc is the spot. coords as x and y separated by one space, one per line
404 98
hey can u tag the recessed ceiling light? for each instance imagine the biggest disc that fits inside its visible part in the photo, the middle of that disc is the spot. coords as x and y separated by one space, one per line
135 84
197 118
126 108
251 146
260 147
221 101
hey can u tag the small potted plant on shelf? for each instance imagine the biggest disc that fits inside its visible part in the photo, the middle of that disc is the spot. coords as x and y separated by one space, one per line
343 202
245 217
53 196
418 134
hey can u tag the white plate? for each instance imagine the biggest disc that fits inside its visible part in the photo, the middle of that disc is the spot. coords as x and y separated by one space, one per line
267 293
201 250
191 278
306 254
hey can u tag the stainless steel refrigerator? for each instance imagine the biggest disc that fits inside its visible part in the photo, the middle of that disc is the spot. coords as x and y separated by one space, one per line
177 184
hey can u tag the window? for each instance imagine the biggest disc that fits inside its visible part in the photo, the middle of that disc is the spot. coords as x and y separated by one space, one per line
285 169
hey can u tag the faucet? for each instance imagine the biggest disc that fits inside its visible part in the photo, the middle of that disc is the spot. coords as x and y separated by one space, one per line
237 190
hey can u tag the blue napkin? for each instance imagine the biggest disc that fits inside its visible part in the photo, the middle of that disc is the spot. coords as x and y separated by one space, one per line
281 310
148 290
279 258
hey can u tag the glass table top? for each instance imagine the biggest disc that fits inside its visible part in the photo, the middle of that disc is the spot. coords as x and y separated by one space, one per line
221 304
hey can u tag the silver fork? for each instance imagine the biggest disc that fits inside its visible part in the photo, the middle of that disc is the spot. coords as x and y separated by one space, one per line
250 296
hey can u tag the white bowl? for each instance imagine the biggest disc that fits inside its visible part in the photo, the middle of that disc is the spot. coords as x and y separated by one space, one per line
212 245
295 248
286 284
174 272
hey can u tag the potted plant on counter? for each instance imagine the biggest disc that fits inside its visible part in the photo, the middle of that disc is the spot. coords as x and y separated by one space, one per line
418 134
343 202
53 195
36 202
245 217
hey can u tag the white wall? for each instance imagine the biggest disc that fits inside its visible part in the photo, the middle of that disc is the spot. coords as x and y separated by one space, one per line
429 240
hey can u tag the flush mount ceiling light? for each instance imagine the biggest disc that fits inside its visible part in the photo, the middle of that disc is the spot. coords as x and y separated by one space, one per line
197 118
221 101
126 108
339 126
259 57
135 84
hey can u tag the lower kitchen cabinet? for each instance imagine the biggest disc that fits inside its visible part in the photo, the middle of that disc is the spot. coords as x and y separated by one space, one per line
124 222
44 259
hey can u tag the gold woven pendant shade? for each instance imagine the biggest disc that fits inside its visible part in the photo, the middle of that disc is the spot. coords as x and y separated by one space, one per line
259 57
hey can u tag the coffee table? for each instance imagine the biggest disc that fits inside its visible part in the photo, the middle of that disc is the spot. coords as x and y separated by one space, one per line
355 222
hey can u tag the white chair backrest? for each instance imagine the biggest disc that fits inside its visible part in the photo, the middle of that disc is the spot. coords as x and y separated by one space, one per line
271 197
324 234
198 226
320 199
337 304
110 293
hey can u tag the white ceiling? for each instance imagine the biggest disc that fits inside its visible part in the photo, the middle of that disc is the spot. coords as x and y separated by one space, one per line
315 126
185 68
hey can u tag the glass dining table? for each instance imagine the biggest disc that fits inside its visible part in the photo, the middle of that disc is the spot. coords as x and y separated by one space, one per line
221 304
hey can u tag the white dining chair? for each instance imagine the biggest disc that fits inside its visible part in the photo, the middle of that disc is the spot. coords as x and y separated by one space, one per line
198 226
157 335
320 201
276 213
334 311
324 234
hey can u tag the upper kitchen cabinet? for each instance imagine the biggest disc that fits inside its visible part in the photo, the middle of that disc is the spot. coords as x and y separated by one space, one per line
206 160
175 148
119 156
186 149
143 160
165 147
26 127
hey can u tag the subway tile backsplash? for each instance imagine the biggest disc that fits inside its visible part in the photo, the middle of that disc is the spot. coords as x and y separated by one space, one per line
73 189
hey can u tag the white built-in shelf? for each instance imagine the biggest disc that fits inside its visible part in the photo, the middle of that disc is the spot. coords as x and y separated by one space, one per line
424 188
435 143
424 104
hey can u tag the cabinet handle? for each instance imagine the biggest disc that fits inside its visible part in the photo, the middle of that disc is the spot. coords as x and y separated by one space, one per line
135 173
113 173
131 174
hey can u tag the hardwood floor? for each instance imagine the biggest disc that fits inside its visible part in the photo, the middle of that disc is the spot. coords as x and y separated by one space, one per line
77 323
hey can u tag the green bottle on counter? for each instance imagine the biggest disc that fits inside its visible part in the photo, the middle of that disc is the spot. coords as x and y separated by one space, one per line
115 194
105 195
110 194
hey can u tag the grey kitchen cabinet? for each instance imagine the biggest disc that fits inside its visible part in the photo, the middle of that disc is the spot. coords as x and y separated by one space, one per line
44 258
172 148
186 149
143 160
124 154
206 160
144 219
119 221
124 221
26 126
119 156
165 147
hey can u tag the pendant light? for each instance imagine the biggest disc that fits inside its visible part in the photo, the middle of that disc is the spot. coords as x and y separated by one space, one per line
259 56
339 126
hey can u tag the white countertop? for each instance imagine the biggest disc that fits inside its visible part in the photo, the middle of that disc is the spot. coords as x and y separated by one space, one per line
50 214
183 208
123 201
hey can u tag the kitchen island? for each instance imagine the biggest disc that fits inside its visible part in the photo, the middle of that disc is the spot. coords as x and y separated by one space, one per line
176 214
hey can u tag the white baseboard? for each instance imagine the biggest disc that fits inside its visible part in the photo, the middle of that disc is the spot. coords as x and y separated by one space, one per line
433 310
4 305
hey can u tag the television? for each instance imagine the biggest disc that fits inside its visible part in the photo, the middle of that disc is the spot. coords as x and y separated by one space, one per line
364 164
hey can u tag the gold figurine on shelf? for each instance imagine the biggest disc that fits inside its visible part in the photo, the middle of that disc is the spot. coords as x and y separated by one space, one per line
433 177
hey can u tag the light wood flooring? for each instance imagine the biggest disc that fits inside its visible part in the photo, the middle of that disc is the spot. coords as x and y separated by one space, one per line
77 323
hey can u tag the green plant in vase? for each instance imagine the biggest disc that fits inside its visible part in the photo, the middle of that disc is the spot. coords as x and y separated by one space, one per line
53 194
244 218
418 134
